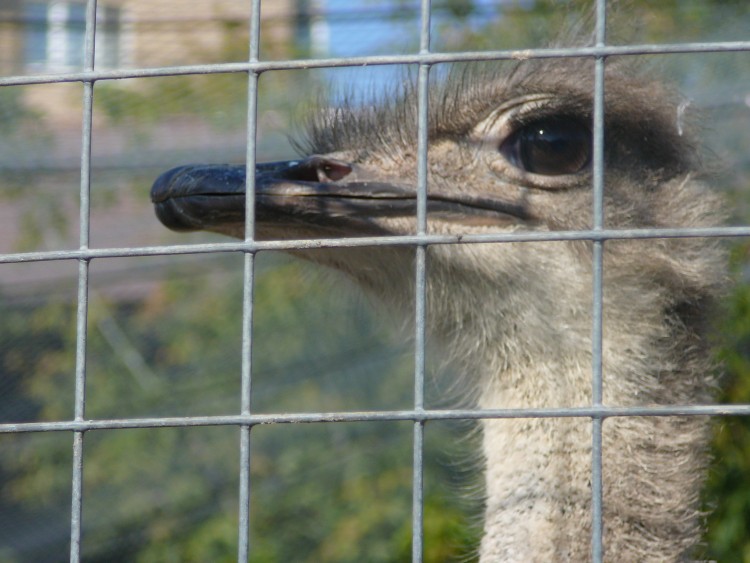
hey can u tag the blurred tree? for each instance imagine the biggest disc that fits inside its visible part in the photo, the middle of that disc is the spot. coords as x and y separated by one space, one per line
728 491
321 492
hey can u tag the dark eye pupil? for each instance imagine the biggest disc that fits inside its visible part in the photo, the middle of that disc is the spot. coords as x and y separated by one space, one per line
550 146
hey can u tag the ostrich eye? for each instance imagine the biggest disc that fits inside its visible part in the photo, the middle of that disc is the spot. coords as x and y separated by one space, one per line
551 146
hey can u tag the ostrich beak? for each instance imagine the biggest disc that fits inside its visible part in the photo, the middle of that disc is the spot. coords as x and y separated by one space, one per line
318 190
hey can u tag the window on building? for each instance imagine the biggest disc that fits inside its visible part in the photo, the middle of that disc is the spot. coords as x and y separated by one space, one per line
55 31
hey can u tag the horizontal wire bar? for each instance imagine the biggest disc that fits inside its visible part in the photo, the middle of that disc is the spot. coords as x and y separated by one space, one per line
599 412
395 240
412 58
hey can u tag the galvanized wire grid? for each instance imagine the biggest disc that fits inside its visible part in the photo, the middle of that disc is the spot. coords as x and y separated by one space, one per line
597 412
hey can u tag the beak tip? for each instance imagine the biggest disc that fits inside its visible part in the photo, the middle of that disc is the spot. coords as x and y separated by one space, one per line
171 216
165 207
162 189
199 196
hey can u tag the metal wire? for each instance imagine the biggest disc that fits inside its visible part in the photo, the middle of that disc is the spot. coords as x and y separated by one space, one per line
401 240
419 58
597 412
76 510
597 548
420 291
243 549
374 416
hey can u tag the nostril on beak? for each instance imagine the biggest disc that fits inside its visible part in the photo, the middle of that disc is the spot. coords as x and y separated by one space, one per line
318 169
333 170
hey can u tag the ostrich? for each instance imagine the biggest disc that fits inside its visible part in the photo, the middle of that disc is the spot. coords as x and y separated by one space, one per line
510 151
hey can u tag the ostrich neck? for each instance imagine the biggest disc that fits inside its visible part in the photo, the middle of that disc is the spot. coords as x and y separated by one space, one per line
537 473
519 327
538 470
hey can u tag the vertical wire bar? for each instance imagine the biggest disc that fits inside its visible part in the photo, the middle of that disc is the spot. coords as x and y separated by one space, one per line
243 549
597 543
420 295
76 510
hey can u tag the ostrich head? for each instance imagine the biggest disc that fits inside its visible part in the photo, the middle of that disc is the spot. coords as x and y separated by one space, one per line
510 150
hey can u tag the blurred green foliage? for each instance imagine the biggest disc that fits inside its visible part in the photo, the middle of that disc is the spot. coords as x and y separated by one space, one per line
13 110
320 492
728 489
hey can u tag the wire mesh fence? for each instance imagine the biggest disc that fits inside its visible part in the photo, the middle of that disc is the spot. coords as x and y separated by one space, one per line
231 84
